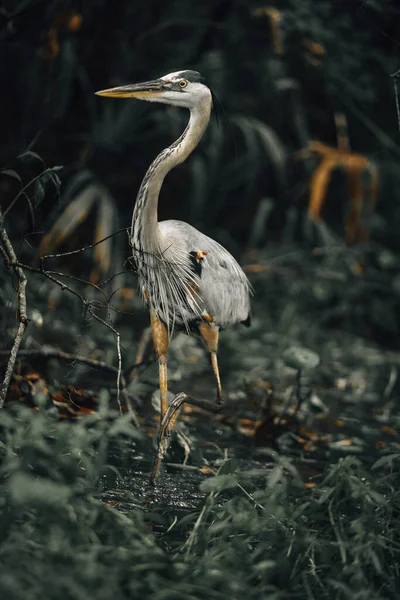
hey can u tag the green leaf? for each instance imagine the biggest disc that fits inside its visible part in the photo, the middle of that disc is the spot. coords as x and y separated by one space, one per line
39 192
218 483
298 358
188 519
386 461
30 155
25 489
228 467
11 173
51 175
275 476
124 426
264 565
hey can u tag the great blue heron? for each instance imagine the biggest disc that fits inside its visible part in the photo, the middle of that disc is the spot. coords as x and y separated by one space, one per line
188 280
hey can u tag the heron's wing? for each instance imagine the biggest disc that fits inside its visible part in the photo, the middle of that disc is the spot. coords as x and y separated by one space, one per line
224 288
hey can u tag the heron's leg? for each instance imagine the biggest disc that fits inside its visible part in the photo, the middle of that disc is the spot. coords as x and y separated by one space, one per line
161 345
210 334
168 422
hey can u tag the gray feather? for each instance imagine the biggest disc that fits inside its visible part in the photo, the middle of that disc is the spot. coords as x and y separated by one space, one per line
224 290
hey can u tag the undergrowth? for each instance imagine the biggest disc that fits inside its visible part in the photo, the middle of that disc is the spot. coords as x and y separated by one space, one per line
61 539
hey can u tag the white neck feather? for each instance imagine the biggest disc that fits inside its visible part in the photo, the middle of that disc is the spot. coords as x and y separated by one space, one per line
145 233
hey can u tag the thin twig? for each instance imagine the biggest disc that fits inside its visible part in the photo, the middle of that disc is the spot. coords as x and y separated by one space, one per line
61 355
395 76
79 250
10 259
89 306
105 281
118 341
380 135
22 192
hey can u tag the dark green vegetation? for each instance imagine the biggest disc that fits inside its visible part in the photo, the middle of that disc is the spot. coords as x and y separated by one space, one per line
339 540
265 505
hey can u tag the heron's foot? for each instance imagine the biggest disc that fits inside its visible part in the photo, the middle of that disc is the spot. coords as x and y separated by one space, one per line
169 419
166 427
161 450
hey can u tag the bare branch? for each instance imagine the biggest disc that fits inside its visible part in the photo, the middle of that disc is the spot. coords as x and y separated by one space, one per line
10 259
61 355
79 250
47 353
89 306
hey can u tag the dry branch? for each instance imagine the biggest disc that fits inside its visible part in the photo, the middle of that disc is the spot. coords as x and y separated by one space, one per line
10 259
47 353
61 355
90 307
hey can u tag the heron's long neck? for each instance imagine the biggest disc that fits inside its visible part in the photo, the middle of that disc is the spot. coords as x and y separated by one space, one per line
145 233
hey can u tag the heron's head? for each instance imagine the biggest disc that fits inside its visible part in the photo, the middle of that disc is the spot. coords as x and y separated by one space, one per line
182 88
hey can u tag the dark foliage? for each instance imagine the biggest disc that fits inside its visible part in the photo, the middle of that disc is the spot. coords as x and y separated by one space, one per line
292 492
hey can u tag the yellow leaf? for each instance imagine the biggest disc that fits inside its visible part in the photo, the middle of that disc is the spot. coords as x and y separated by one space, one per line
319 185
275 18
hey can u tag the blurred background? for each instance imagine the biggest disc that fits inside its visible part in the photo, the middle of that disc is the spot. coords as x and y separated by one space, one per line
286 75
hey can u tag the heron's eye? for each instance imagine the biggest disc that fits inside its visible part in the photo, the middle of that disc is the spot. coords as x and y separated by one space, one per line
183 83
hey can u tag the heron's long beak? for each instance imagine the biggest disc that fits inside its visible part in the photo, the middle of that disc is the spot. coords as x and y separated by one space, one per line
143 90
